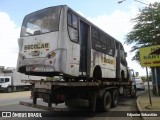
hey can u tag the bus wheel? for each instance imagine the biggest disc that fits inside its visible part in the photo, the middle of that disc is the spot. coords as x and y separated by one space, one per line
106 101
9 89
115 97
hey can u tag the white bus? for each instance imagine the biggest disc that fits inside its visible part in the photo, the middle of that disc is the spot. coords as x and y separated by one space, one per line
58 41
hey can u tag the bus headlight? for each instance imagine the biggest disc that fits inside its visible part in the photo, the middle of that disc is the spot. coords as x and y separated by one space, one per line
51 55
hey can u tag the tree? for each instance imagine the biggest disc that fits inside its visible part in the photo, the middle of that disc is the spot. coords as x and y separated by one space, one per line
146 30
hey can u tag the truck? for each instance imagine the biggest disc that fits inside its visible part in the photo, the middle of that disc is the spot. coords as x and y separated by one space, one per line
10 80
57 41
98 96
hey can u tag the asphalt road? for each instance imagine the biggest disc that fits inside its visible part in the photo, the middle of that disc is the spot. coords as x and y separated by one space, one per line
125 104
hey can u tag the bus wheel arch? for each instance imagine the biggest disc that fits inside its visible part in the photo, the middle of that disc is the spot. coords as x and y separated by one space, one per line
97 72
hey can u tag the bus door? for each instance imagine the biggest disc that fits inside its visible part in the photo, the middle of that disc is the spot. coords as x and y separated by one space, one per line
85 49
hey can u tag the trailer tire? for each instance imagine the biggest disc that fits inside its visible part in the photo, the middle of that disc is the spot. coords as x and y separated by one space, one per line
115 97
133 91
106 103
9 89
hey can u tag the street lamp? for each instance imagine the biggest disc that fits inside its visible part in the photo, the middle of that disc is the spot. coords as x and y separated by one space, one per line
150 6
141 2
152 15
119 2
156 29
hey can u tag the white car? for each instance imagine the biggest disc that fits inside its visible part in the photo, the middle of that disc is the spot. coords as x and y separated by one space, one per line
139 84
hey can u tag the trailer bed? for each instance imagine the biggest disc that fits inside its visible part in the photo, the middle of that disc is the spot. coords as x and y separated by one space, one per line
75 84
51 91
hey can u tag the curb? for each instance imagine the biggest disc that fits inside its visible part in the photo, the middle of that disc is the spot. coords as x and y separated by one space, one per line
138 106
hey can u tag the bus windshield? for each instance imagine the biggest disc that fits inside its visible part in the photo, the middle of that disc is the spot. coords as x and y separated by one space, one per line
43 21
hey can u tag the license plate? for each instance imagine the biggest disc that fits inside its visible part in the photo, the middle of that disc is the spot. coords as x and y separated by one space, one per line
35 68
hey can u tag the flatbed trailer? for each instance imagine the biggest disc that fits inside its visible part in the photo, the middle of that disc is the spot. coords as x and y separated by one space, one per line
95 95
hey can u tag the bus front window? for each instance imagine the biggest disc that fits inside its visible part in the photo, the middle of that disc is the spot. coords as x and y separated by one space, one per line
43 21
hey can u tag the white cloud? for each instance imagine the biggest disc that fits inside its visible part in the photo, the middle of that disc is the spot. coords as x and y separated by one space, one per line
117 24
9 34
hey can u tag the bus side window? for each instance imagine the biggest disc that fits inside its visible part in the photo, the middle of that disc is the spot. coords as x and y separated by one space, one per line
69 19
110 46
96 43
95 34
73 26
74 21
73 34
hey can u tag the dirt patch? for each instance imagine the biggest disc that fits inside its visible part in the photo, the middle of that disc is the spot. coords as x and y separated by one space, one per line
21 94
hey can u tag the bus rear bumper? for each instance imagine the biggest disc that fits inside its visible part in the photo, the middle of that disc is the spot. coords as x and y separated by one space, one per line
40 68
56 64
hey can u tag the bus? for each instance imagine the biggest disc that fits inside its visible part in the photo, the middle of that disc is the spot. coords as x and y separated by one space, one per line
57 41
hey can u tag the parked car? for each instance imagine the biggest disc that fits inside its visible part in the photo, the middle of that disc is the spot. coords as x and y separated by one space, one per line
139 84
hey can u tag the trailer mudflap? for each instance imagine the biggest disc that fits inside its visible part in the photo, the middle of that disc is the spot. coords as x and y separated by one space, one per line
54 109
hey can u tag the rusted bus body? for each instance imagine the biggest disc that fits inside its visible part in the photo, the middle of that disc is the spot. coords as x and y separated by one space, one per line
59 41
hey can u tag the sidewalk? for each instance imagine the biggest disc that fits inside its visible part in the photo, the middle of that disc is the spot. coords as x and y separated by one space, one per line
143 105
15 95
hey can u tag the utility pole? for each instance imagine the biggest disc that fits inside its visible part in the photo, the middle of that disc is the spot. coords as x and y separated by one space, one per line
152 15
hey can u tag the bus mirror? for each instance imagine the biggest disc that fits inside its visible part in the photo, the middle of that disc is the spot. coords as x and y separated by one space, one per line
125 54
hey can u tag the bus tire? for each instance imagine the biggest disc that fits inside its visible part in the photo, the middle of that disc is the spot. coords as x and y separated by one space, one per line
115 97
9 89
106 103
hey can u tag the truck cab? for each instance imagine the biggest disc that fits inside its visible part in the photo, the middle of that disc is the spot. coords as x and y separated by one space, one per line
5 82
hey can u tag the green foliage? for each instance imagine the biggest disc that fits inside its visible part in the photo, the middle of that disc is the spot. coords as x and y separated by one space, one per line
53 78
50 78
146 30
144 78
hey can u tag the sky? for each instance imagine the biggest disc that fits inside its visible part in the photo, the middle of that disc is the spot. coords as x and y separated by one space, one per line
113 18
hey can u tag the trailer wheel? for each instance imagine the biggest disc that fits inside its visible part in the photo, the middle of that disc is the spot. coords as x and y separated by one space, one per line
106 101
9 89
133 91
115 97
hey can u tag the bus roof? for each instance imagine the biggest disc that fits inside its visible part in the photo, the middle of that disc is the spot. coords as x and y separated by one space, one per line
83 18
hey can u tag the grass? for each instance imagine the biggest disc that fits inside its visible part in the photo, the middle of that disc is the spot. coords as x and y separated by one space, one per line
144 102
